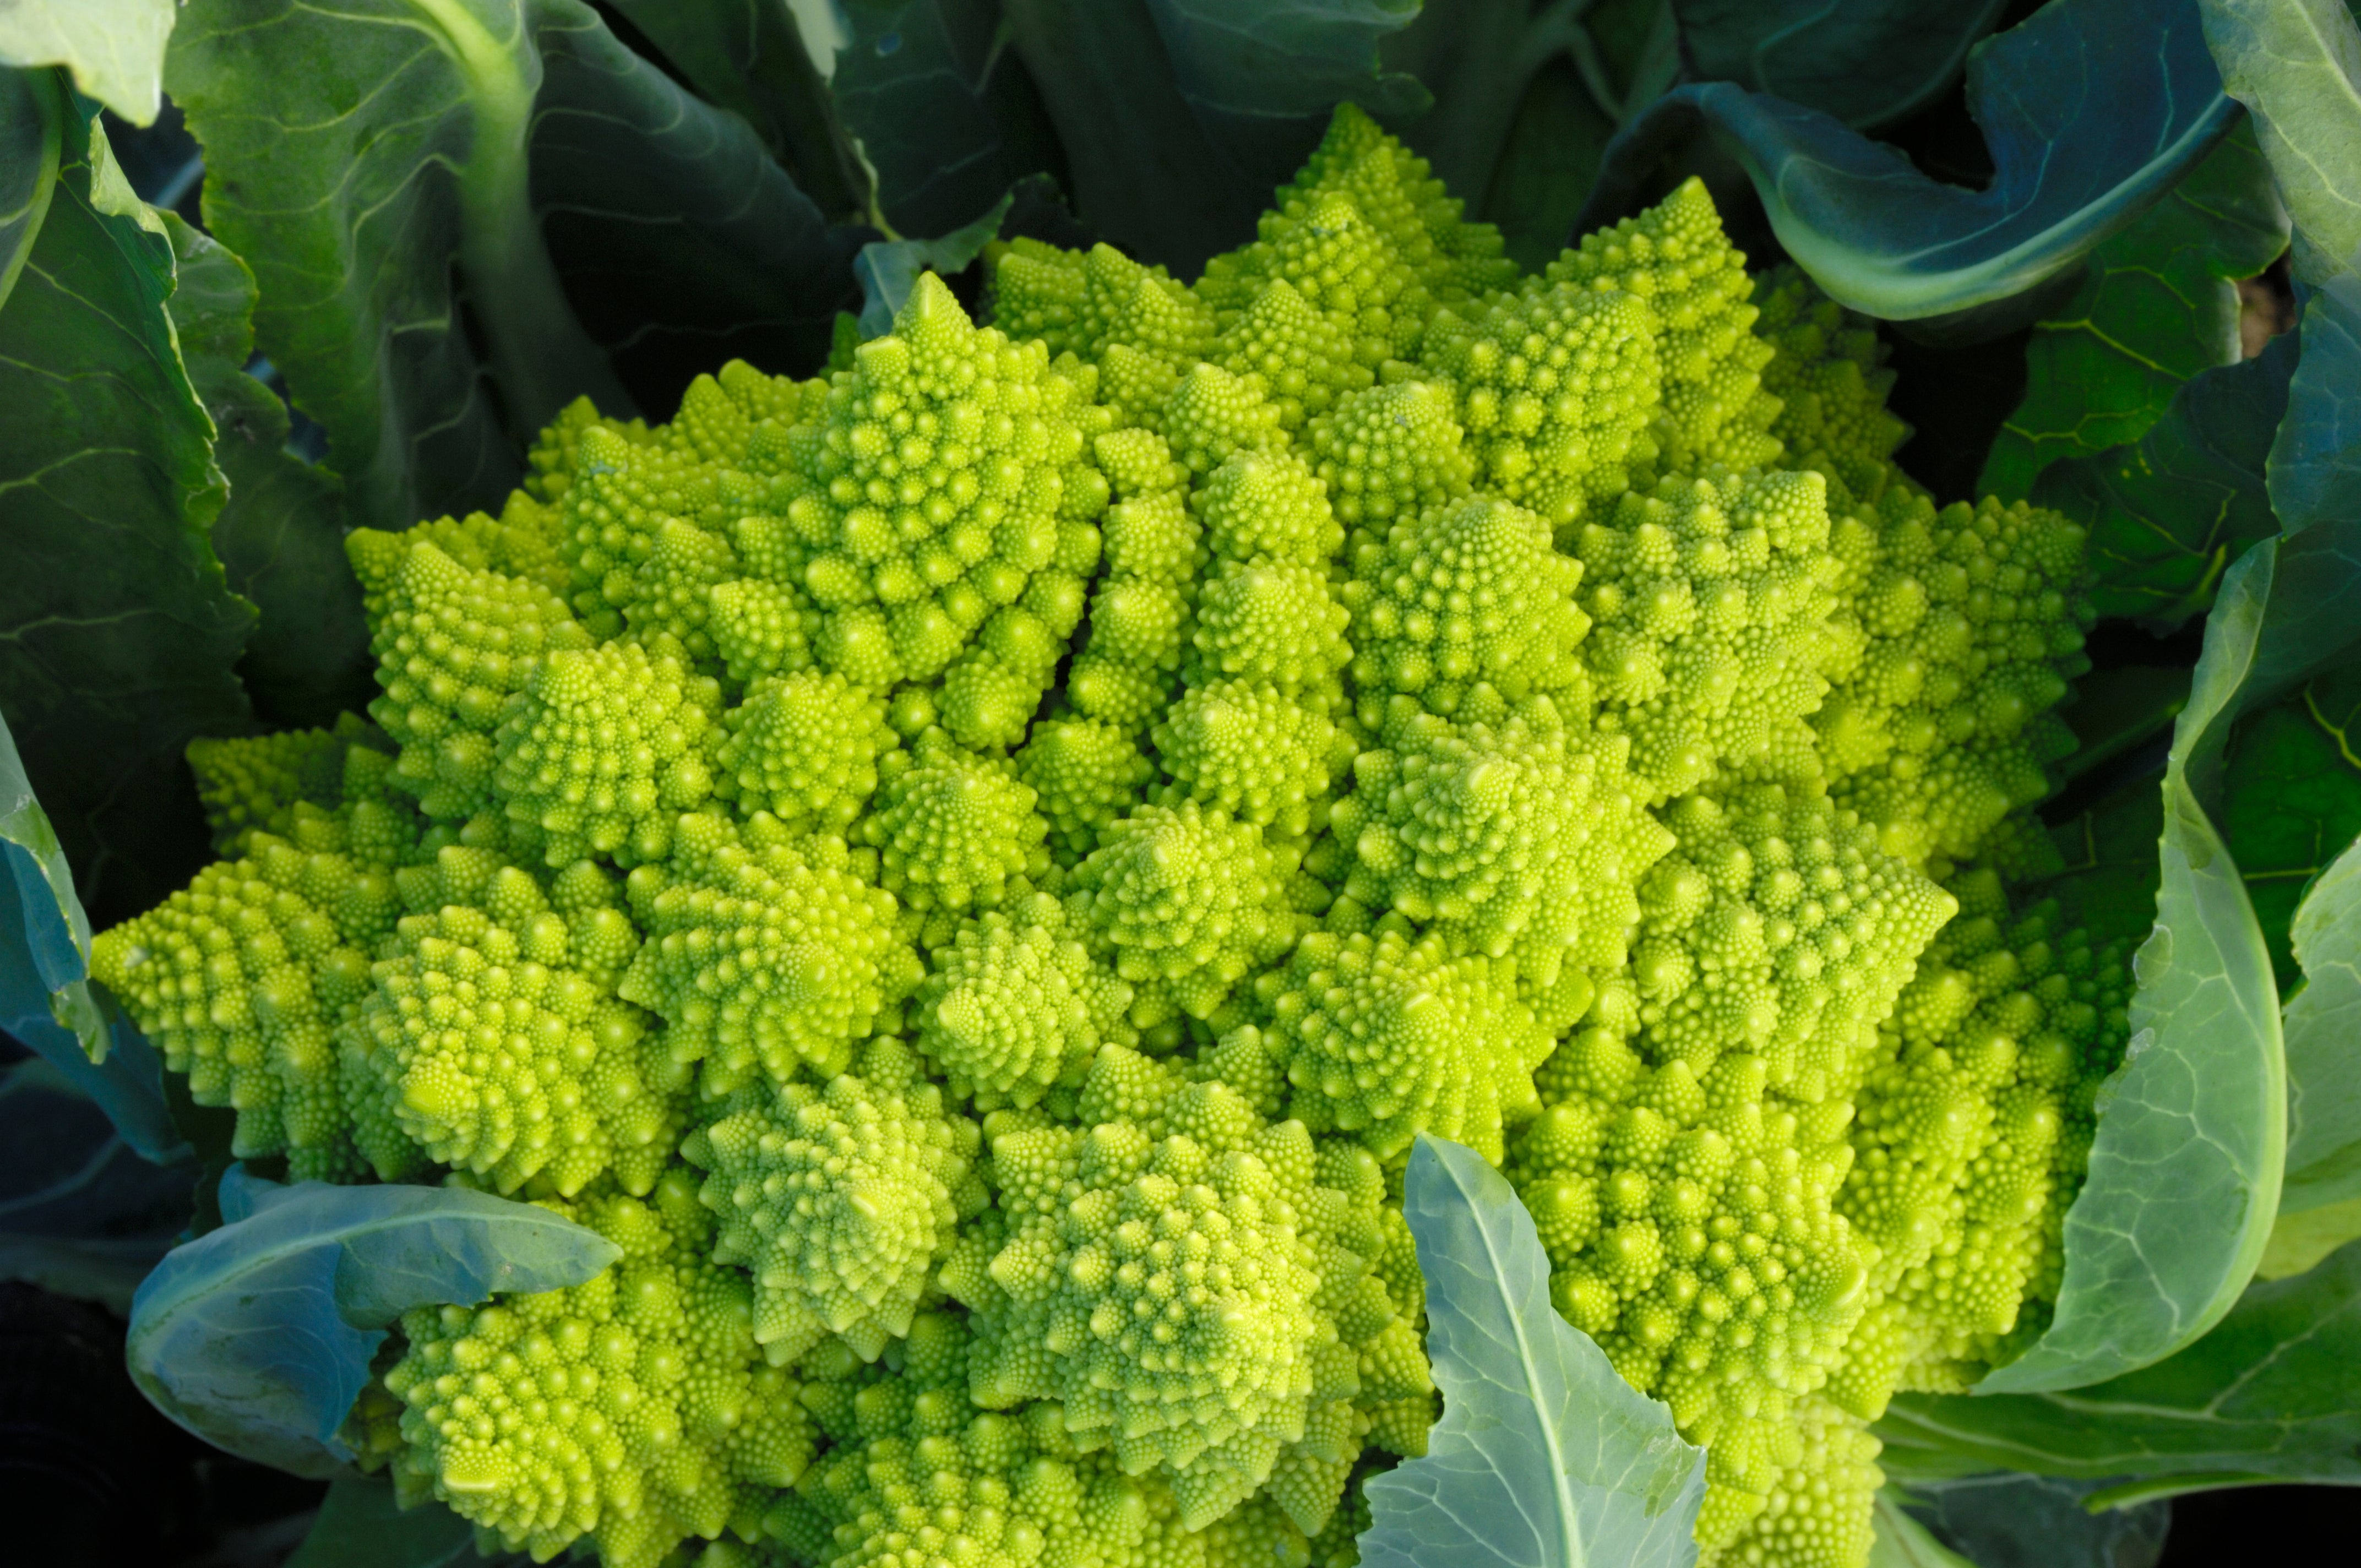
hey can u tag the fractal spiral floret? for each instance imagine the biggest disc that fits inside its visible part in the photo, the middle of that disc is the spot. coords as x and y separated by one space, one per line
974 872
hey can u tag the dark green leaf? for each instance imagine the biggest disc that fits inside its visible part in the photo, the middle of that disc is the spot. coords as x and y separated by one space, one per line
2322 1024
2269 1394
889 268
2038 1522
1901 1541
2185 1173
2093 109
361 1526
114 48
118 630
370 162
2158 305
2291 799
681 242
29 129
1476 59
282 535
1865 62
2315 461
1545 165
1179 117
946 111
1544 1457
2167 513
2108 885
1262 74
401 175
80 1212
258 1336
2116 708
748 56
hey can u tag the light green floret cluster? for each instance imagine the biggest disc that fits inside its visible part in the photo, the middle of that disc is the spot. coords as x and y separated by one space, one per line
975 871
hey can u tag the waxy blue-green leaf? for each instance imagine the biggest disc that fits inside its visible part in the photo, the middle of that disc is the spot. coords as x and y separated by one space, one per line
118 630
2093 109
2267 1394
82 1213
46 1002
258 1336
2158 303
113 47
889 268
2186 1168
1867 62
1543 1457
2323 1026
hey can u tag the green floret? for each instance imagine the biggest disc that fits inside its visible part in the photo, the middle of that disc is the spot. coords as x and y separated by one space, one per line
1777 926
1396 191
551 460
1465 611
1693 1226
634 1409
621 495
1712 602
1554 388
761 628
1212 414
522 542
1037 294
805 749
1084 774
1275 623
950 462
1016 1007
765 952
1383 1037
1176 1181
492 1041
1268 504
1829 373
1303 357
914 1468
953 828
255 781
1387 454
1965 627
1190 901
603 750
452 646
243 978
1248 749
838 1201
1675 257
1522 843
672 593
